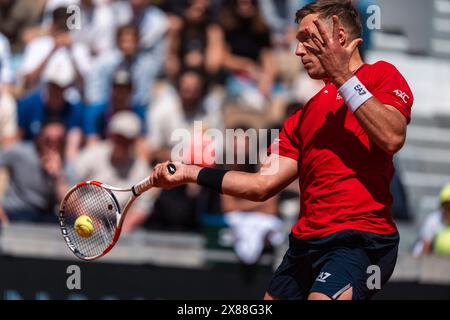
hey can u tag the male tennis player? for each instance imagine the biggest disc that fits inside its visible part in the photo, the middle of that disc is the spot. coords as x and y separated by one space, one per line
340 146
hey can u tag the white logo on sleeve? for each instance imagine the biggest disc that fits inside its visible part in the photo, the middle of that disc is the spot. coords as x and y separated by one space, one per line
402 95
323 276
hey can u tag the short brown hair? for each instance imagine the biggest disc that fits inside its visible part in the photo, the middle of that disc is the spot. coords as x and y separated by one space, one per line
344 9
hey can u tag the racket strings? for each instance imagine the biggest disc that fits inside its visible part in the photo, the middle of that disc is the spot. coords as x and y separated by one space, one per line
100 206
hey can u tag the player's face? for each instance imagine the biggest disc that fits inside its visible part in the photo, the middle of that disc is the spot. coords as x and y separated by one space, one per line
310 62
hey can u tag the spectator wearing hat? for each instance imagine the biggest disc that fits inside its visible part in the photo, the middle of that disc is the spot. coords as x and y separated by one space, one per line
435 223
49 102
113 161
98 115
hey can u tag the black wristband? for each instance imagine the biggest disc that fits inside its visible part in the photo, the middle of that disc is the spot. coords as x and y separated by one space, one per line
211 178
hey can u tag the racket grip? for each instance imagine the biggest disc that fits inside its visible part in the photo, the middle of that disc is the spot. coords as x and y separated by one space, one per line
146 184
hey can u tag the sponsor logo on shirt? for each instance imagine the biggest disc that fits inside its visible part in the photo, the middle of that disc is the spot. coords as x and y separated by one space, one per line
402 95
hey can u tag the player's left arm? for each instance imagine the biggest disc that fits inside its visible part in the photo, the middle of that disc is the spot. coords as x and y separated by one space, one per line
383 123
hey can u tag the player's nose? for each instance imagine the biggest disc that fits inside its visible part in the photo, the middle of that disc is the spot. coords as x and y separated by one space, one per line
300 51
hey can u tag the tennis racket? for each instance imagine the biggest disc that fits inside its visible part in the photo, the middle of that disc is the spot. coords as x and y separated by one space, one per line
96 200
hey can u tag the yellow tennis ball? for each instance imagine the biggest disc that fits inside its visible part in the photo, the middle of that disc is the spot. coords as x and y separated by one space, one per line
84 226
442 242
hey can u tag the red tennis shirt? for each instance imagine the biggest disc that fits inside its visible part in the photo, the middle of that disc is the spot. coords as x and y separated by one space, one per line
344 176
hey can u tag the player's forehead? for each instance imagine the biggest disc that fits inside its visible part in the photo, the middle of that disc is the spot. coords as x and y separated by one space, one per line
307 22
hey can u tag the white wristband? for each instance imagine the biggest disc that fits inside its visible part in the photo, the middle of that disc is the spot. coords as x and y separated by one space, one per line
354 93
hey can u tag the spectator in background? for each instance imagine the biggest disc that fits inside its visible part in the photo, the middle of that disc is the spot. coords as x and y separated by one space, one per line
195 40
278 15
153 25
435 223
6 72
50 6
113 161
17 20
248 57
126 56
38 179
151 21
179 109
362 6
8 119
98 27
97 116
48 102
8 112
57 48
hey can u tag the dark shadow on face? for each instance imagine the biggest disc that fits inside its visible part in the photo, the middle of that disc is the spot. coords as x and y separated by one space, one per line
121 97
55 97
51 138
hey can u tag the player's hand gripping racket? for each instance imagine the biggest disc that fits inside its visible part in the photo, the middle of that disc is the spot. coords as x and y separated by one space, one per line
91 219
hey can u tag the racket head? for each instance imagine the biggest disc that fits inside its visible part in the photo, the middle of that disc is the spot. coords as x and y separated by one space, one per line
92 199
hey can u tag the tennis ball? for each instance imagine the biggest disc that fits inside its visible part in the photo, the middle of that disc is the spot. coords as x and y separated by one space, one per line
84 226
442 242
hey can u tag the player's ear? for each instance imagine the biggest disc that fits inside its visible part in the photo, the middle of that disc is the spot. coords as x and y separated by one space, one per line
343 37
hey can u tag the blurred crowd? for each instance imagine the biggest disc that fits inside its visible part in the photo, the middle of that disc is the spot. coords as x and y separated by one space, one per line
94 89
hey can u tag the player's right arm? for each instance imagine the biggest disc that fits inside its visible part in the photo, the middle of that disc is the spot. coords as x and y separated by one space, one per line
276 173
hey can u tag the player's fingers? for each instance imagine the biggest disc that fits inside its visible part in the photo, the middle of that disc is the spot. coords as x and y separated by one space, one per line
336 28
164 169
322 31
318 43
311 49
354 44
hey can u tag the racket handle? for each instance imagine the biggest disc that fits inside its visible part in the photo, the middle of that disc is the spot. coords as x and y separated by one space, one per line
146 184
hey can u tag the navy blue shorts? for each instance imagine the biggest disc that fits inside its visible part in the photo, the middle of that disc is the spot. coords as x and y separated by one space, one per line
331 265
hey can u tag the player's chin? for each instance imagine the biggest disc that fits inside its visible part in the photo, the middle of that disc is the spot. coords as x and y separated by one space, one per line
315 74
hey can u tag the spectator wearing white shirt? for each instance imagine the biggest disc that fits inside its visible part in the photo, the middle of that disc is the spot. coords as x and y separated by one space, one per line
8 107
434 224
57 48
98 26
152 22
6 71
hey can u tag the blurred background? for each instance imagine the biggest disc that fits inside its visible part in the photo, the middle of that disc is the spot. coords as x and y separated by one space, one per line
93 89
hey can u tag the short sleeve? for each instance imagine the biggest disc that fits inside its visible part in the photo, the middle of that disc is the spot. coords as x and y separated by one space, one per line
391 88
288 142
